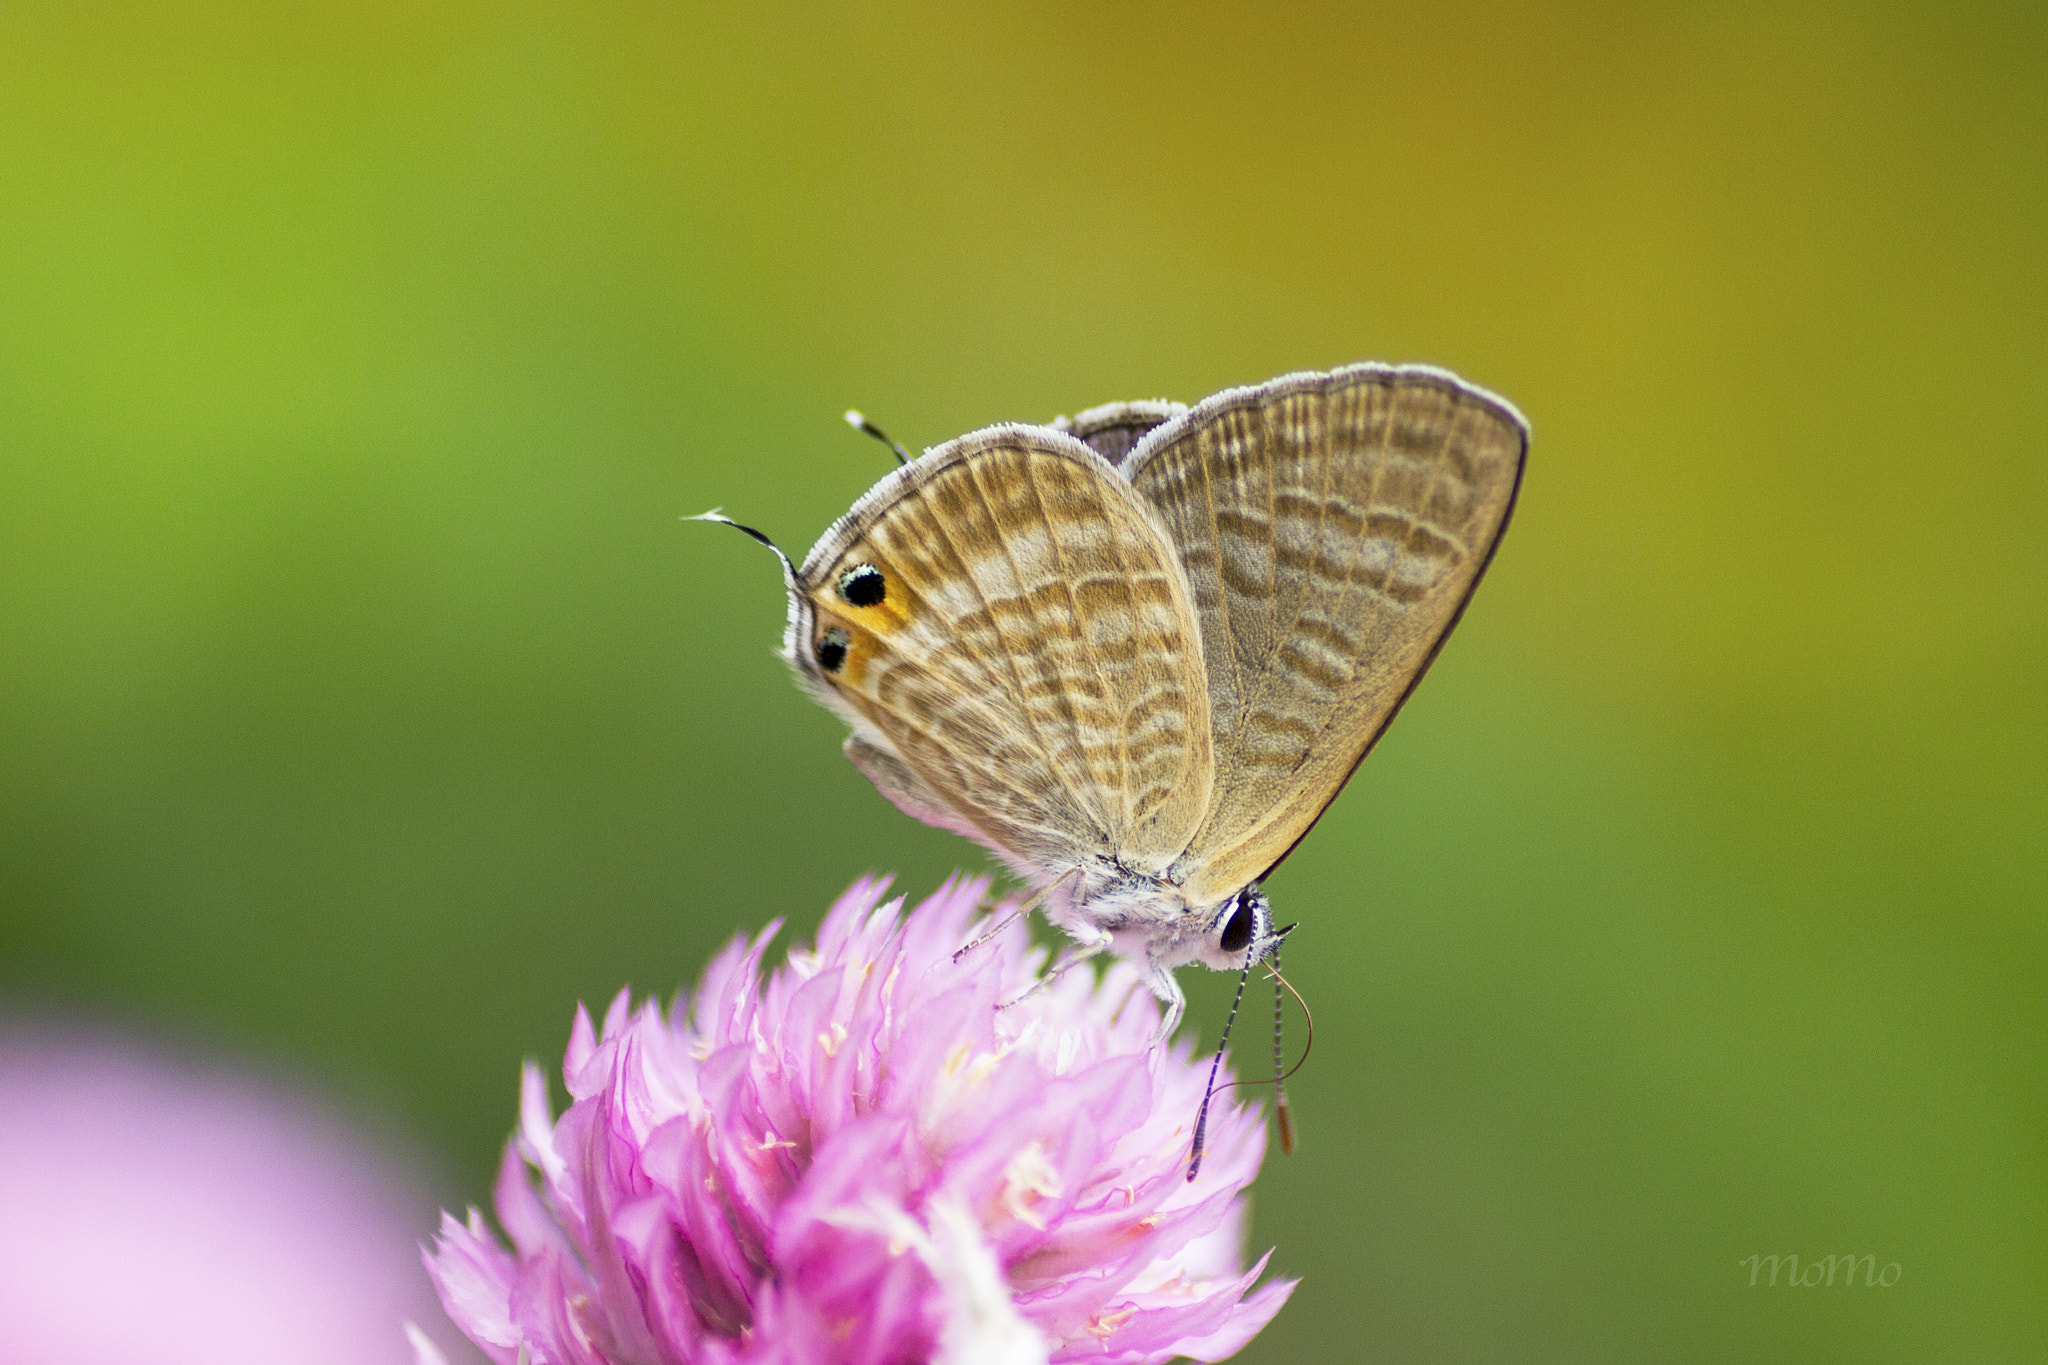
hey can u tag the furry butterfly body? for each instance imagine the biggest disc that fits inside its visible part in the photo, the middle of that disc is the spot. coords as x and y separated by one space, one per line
1137 653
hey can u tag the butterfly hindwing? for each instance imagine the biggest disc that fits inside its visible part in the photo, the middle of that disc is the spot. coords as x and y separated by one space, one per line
1112 429
1015 643
1332 527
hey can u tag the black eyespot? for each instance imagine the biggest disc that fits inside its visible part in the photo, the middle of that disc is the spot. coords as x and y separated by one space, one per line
863 585
832 650
1237 933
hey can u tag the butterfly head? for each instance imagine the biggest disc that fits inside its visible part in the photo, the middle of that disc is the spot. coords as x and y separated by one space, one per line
1241 931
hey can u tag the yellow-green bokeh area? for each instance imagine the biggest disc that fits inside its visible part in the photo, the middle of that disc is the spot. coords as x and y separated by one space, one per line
363 701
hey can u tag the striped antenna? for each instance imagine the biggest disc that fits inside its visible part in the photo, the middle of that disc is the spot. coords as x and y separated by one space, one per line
1209 1092
862 424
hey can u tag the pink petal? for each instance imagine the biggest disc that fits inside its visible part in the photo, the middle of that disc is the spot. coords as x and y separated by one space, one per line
858 1158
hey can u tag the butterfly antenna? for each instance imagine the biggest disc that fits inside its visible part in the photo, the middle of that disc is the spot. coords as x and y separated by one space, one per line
1273 966
1281 1113
1308 1047
714 515
1209 1091
862 424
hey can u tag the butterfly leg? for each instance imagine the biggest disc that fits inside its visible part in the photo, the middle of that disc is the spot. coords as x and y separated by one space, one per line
1081 952
985 935
1036 899
1172 1002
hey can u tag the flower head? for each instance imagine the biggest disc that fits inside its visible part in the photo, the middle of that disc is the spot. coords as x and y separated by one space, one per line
862 1159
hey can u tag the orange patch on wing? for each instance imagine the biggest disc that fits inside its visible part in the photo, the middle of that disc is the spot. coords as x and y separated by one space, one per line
883 618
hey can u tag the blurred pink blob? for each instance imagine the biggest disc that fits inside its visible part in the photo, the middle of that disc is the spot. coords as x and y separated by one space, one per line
158 1209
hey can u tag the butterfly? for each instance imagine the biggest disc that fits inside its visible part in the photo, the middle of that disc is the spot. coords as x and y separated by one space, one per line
1138 652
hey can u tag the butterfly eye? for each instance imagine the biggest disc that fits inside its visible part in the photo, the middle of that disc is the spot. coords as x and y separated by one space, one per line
832 647
1237 934
863 585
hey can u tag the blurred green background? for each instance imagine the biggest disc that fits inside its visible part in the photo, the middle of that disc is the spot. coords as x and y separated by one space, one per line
364 703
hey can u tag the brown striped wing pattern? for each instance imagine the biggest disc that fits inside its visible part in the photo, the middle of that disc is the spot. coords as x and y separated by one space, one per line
1012 637
1332 527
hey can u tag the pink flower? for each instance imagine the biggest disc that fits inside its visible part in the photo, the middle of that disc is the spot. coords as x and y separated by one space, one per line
862 1160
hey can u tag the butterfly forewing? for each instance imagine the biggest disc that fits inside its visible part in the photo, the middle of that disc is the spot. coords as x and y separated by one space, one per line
1331 528
1017 644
